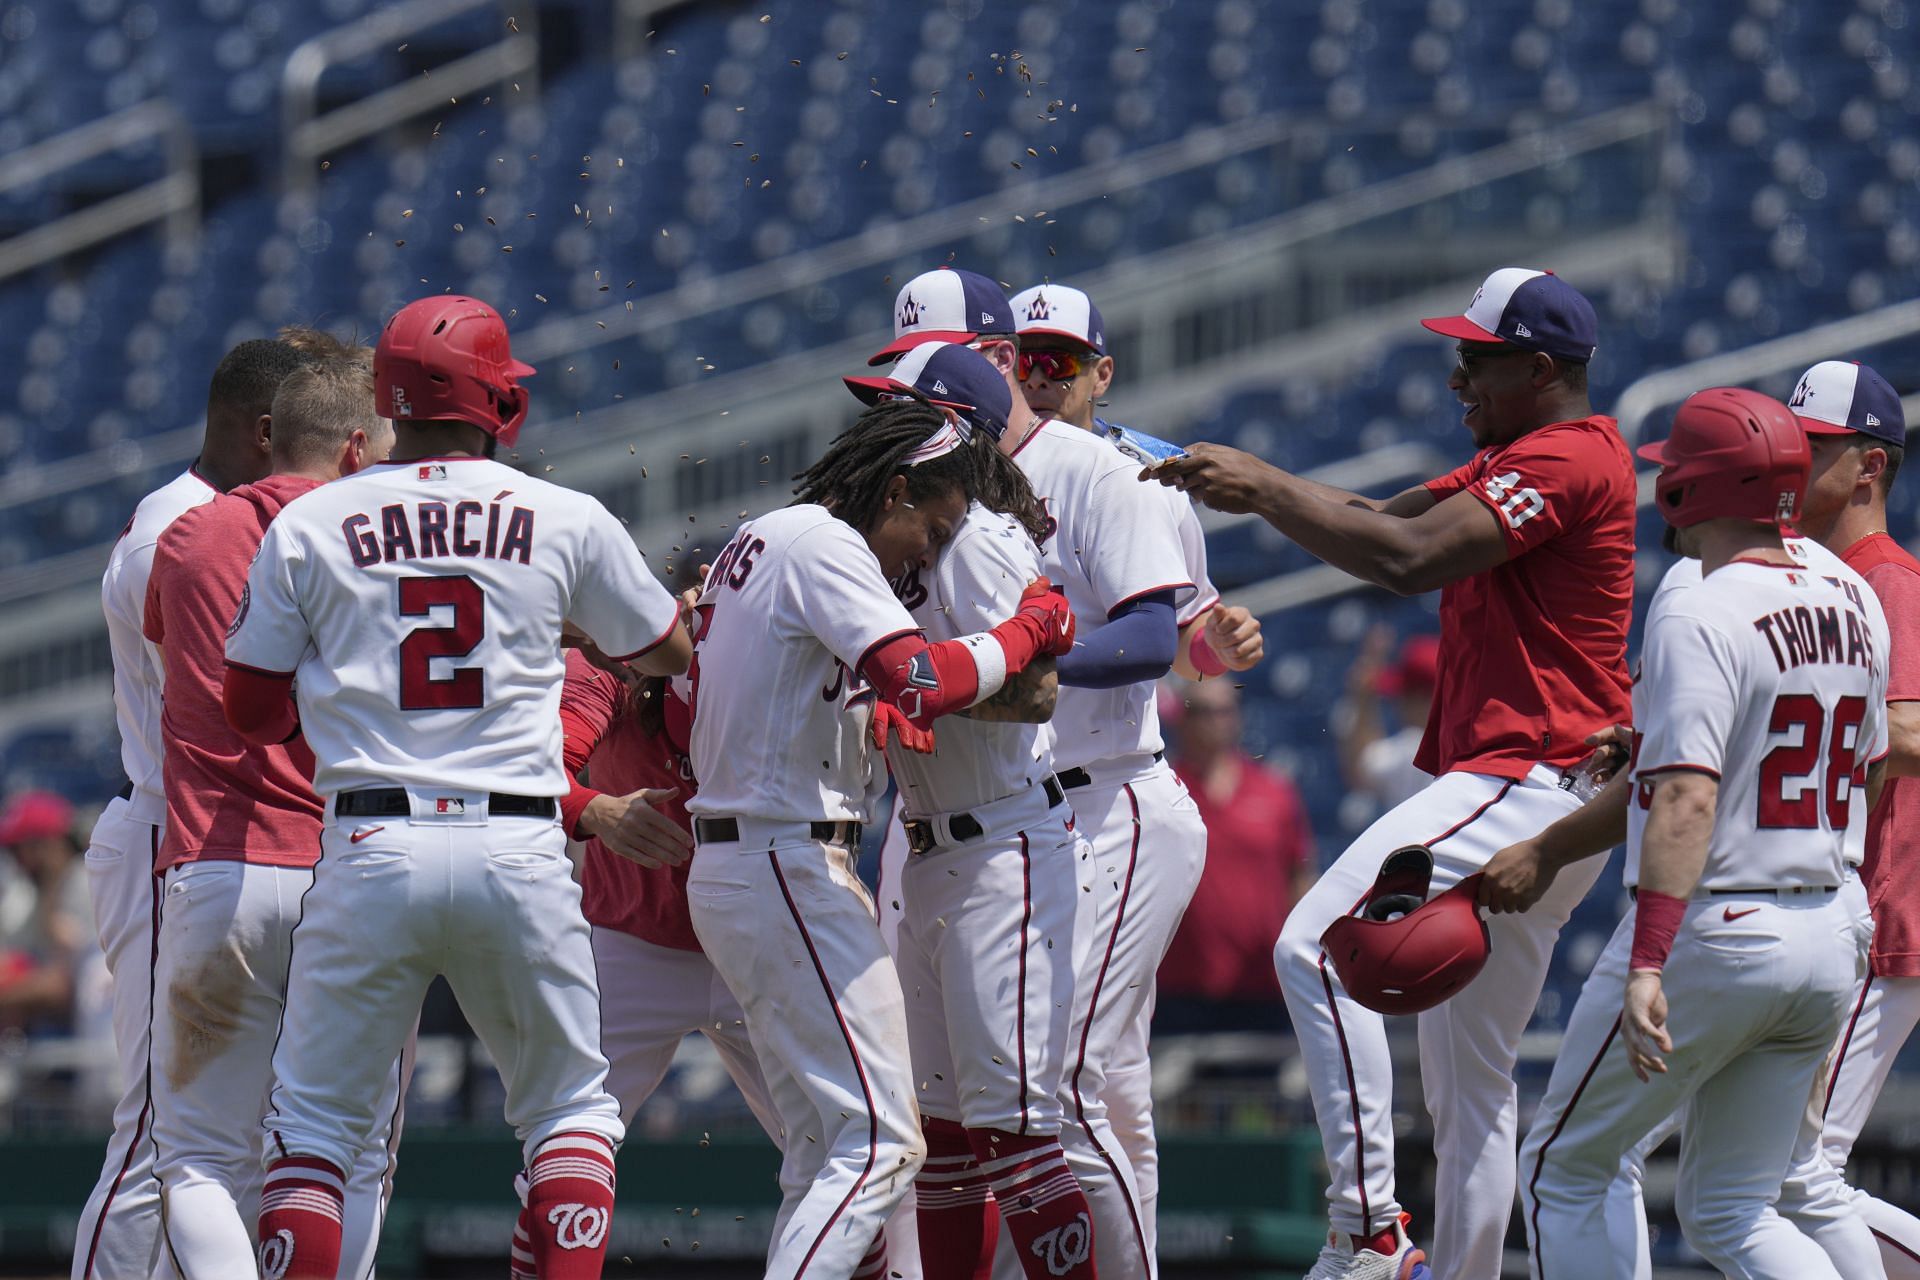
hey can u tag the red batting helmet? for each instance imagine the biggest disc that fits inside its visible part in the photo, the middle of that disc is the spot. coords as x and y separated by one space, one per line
1402 953
1732 454
447 357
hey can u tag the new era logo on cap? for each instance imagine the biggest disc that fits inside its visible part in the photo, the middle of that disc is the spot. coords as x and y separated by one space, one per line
1526 308
947 305
1838 397
1060 311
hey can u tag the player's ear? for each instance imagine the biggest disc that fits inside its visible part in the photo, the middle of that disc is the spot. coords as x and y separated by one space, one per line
1102 375
894 494
1545 370
1873 463
263 434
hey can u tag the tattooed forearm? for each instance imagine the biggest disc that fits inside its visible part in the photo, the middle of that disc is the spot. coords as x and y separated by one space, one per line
1026 698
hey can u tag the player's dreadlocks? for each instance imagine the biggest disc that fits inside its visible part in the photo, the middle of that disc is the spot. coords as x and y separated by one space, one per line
850 479
1002 486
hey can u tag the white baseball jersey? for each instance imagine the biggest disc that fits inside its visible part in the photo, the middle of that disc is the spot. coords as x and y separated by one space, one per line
1193 538
780 712
1114 541
1685 572
421 603
973 586
137 673
1774 681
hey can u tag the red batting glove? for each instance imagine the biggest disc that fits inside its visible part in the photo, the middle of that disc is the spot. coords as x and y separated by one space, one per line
1045 605
889 720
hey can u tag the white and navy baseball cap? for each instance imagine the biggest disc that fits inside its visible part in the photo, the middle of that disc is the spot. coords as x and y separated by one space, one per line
1060 311
948 374
1841 397
1532 310
947 305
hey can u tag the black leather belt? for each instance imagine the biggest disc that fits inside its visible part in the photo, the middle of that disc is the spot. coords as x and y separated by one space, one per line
392 802
727 830
922 838
1075 778
126 792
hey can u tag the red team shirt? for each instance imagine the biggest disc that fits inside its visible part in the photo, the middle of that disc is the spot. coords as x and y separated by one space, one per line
1892 840
226 799
620 756
1533 651
1257 839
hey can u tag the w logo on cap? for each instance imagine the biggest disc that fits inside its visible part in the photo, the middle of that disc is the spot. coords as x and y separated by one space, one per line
909 312
1039 308
1801 393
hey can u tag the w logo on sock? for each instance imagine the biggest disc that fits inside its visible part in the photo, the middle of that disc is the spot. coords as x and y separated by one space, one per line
1065 1247
276 1254
578 1226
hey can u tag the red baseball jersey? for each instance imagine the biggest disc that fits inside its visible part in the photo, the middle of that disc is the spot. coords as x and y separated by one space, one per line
1893 842
1533 652
226 798
621 757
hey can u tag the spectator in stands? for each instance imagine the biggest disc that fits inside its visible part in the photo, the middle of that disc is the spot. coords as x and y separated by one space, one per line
1218 973
39 959
1376 763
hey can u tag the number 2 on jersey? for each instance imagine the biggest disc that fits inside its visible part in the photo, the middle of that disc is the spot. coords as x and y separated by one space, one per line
1792 790
465 688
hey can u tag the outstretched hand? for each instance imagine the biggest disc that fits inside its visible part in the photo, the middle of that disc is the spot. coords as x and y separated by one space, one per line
1223 478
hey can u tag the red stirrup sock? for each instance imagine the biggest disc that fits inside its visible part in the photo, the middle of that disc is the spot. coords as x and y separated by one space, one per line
570 1205
520 1263
874 1265
300 1212
1040 1201
958 1221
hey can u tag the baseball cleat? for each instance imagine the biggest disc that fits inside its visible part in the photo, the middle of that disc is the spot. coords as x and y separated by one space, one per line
1346 1257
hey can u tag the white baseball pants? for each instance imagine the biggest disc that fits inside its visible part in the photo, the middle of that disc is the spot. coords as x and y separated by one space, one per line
1881 1015
653 997
1467 1045
1148 849
491 903
221 990
791 930
1812 1196
986 964
1754 1004
119 1229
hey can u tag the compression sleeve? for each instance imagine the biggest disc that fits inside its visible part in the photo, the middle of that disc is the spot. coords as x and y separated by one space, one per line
578 741
1138 642
259 705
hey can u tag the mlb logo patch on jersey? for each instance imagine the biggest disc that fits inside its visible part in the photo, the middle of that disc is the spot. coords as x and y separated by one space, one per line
445 804
433 471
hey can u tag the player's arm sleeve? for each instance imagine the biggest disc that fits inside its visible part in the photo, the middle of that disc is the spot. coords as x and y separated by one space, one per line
588 699
1139 641
621 606
1443 487
1691 673
1543 485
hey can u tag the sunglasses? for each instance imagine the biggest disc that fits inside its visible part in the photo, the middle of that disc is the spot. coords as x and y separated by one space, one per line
1054 366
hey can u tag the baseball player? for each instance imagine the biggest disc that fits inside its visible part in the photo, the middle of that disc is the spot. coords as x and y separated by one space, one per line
1761 699
242 834
119 1229
991 887
1115 550
657 986
1064 370
421 604
1532 545
798 628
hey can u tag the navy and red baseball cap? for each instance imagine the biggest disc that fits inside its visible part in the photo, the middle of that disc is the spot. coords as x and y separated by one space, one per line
35 815
947 374
1532 310
1059 311
1843 397
948 305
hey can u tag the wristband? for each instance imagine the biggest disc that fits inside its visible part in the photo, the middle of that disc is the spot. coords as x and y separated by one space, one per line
1201 652
1656 920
